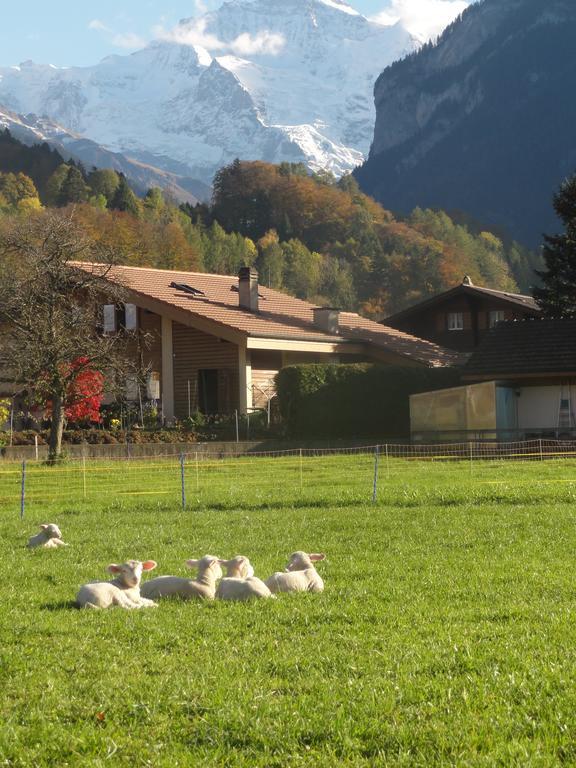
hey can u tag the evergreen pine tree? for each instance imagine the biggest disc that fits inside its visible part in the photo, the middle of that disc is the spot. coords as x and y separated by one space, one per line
73 189
557 296
124 199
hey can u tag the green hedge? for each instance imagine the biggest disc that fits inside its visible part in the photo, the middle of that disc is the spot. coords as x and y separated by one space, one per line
354 401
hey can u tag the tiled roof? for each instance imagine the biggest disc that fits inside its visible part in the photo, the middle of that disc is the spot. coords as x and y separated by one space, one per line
514 299
280 316
525 347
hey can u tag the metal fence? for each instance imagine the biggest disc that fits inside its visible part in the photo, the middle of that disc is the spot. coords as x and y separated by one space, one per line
387 473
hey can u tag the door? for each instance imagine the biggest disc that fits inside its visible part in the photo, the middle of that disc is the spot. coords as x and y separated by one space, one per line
208 390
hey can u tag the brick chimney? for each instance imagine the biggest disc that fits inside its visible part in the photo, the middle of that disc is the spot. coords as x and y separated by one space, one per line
327 319
248 288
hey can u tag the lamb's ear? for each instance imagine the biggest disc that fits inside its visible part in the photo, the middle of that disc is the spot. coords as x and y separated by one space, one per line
317 556
113 568
192 563
149 565
224 562
44 526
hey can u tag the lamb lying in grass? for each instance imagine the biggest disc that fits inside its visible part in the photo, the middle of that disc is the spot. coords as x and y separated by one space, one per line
123 591
50 537
300 575
240 582
203 587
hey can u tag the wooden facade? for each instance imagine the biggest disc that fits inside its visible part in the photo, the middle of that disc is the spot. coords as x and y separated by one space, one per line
205 373
460 318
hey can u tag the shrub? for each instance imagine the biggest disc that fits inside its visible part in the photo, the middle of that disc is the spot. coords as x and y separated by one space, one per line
354 401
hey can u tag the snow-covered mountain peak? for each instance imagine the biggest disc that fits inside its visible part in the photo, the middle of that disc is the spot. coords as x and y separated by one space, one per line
258 79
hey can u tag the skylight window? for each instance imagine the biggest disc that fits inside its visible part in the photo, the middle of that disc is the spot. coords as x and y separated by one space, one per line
185 288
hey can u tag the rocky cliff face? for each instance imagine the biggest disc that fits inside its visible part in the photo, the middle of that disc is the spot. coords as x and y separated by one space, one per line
258 79
482 122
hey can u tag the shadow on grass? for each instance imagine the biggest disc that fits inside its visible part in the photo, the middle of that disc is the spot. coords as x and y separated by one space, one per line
279 505
60 605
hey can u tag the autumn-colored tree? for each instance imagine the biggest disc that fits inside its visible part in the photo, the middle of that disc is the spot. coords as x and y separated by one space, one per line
16 188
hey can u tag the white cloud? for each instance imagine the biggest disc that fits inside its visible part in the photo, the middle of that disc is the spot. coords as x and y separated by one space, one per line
201 6
126 40
129 40
425 19
98 25
196 33
268 43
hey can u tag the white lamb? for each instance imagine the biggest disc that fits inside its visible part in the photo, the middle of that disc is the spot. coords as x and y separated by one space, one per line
300 575
123 591
50 537
240 582
203 587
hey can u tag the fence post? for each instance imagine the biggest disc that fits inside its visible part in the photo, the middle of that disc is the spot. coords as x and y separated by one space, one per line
84 474
387 463
36 446
197 473
471 449
11 421
375 486
23 491
183 478
301 472
237 432
541 454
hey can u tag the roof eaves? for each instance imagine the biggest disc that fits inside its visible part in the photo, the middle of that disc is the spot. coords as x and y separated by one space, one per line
474 290
420 305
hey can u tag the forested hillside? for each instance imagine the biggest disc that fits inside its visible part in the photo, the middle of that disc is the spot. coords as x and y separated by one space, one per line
310 235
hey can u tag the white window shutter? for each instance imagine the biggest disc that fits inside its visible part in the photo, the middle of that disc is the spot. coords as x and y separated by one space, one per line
131 388
110 325
130 317
153 386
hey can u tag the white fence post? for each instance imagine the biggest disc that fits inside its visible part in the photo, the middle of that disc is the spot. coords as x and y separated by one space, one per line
375 485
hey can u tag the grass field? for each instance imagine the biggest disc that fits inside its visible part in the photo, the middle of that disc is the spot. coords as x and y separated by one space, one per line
446 634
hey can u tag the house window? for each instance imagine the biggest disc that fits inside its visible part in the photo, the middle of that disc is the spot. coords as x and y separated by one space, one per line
495 316
123 316
455 321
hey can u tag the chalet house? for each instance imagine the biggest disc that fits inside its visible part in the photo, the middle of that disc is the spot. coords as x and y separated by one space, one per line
218 341
460 318
522 384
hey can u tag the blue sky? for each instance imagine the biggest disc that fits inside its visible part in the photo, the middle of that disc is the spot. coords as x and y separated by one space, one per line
76 32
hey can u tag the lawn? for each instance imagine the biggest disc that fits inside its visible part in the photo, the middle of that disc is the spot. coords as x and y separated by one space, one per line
446 634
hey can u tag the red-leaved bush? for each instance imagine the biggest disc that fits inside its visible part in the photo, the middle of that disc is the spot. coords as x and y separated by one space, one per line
84 393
